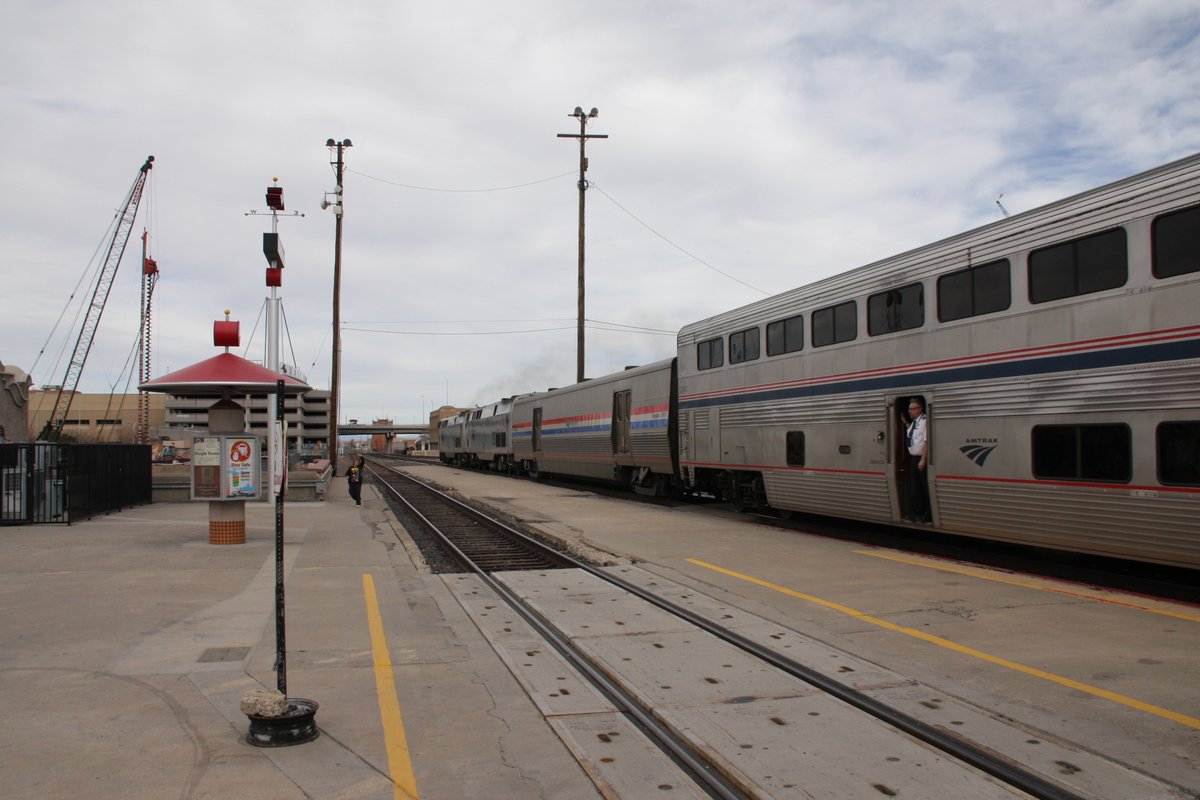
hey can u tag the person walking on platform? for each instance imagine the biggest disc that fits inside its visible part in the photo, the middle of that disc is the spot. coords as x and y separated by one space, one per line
354 479
917 440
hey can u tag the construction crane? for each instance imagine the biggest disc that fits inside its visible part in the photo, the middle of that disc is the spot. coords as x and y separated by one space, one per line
116 248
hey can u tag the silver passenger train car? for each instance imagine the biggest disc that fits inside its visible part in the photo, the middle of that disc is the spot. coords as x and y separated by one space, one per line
1058 353
619 427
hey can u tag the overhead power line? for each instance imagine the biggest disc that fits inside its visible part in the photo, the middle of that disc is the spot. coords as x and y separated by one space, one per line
597 325
503 321
459 191
692 256
590 184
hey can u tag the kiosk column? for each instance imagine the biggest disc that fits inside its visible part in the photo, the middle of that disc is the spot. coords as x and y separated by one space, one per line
227 515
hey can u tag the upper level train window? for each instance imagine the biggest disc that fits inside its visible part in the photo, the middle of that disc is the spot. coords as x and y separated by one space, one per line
1082 266
1179 453
785 335
835 324
974 291
710 353
1082 452
896 309
743 346
1177 243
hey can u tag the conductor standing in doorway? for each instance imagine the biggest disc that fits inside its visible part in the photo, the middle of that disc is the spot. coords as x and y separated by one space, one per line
916 441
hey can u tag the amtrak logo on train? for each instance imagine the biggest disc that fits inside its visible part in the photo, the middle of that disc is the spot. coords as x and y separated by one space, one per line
978 450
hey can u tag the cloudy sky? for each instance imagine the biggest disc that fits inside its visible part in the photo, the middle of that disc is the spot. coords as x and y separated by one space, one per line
755 146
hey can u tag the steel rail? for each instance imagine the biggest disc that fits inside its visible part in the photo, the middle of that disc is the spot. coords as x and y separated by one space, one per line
953 745
704 774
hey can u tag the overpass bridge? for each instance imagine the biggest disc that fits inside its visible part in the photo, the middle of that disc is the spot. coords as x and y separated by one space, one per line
367 429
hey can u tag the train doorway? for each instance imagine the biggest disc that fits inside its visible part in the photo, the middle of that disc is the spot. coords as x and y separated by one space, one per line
912 497
620 422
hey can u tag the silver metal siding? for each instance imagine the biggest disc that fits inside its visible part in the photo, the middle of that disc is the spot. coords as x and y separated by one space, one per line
1156 525
588 453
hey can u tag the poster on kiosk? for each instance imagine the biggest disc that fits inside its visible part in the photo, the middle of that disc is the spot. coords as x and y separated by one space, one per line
225 468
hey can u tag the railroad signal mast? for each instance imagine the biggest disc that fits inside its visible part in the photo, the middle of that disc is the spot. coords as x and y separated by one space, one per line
83 345
273 251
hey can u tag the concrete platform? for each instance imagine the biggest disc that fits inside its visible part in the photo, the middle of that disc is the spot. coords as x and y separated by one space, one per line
1096 686
127 641
109 630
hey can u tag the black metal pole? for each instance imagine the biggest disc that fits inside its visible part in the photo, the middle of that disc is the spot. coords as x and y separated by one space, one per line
280 639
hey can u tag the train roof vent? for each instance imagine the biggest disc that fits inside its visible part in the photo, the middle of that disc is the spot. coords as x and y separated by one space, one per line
631 366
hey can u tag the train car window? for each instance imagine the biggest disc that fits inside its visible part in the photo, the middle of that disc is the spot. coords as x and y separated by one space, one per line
710 354
1082 452
795 448
896 310
1177 243
785 336
1179 453
835 324
975 290
1081 266
537 430
743 346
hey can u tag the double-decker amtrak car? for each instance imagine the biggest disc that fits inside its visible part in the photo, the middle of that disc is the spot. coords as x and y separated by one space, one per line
619 427
1057 352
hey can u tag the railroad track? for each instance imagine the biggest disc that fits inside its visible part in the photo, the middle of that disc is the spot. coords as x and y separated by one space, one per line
468 529
472 538
1156 580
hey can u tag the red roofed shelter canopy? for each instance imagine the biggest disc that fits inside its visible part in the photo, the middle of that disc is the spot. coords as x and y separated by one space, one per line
224 375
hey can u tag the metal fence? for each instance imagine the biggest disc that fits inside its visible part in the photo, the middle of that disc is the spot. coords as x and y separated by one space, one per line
67 482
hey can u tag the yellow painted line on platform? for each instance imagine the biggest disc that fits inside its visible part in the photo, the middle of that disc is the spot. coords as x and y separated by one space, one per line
1174 716
988 576
404 782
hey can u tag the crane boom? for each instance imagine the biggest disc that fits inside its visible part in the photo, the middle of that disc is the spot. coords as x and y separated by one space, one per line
83 345
149 281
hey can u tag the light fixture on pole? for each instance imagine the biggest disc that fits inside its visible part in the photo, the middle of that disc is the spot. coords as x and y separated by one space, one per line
582 136
339 171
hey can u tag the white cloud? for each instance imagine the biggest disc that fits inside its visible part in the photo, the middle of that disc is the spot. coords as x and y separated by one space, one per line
778 141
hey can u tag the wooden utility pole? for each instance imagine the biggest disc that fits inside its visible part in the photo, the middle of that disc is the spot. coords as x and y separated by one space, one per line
582 136
335 380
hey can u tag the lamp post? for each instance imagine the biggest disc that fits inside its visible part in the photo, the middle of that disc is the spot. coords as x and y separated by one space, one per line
339 169
582 136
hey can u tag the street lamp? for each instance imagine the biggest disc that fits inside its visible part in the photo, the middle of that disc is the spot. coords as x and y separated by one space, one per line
339 170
